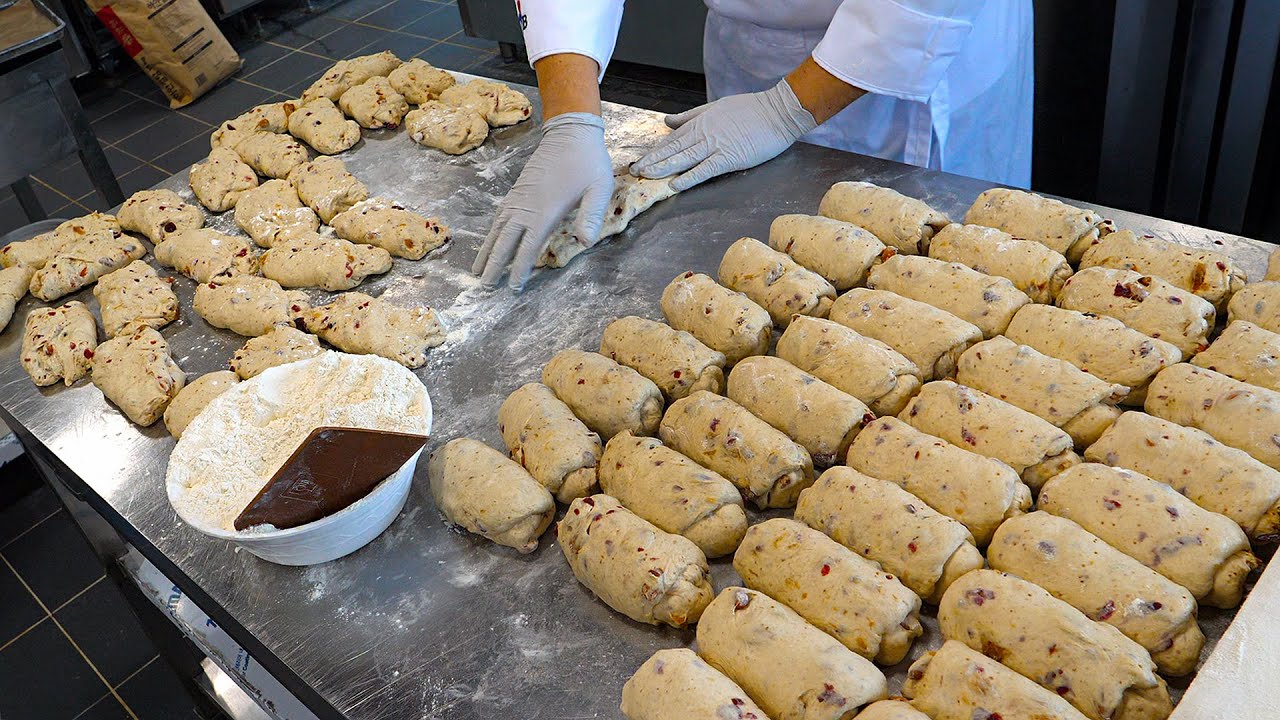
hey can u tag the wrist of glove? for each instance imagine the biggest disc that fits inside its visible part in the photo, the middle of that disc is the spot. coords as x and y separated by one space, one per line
570 168
732 133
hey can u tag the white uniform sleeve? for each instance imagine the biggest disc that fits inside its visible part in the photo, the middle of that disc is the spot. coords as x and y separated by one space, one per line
899 48
584 27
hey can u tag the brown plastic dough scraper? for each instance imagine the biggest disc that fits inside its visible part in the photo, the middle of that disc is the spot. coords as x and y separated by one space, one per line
332 468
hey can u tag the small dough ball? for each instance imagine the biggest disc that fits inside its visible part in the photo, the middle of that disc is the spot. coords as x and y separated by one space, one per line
357 323
544 436
194 397
221 179
272 154
419 81
479 489
205 254
310 260
374 104
157 214
608 397
247 304
722 319
326 187
497 103
273 210
387 224
283 345
454 129
82 262
137 374
322 125
135 295
673 359
59 343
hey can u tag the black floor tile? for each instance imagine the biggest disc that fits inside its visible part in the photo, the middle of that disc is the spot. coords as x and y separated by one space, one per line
71 180
440 24
461 38
259 56
398 13
108 708
21 611
307 31
144 177
28 510
156 693
42 677
453 57
404 46
290 70
142 86
92 202
356 9
120 161
70 210
183 156
49 198
104 102
496 67
346 41
163 136
105 628
227 101
127 121
11 215
54 559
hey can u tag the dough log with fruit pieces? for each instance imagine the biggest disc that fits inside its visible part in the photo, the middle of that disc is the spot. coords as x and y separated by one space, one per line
206 254
793 669
1211 275
865 368
59 343
326 187
272 210
322 125
194 397
775 281
346 74
766 466
903 223
649 575
1051 389
356 323
987 301
926 466
270 117
723 320
884 523
282 345
247 304
1258 303
1106 585
1202 551
15 281
134 295
846 596
387 224
930 338
157 214
631 196
34 253
1065 229
840 252
1245 352
1104 674
136 372
482 491
673 492
606 396
1238 414
1217 477
676 684
221 179
310 260
676 361
980 423
1143 302
544 437
80 264
956 683
1033 268
1101 346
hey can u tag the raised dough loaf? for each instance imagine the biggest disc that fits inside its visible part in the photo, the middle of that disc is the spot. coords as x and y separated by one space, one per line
1258 303
1033 268
775 281
865 368
157 214
309 260
1238 414
884 523
930 338
454 129
631 196
765 465
1104 674
14 283
374 104
987 301
1145 303
135 295
81 262
794 670
283 345
205 254
194 397
326 187
842 594
1211 275
1245 352
1062 228
136 373
221 179
346 74
58 343
544 436
274 155
497 103
895 708
840 252
1104 584
673 359
357 323
722 319
956 683
480 490
271 117
272 210
606 396
644 573
387 224
926 467
1151 522
903 223
419 81
247 304
673 492
676 684
34 253
322 125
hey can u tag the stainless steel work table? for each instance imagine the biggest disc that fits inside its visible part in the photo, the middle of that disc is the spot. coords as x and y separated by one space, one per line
428 621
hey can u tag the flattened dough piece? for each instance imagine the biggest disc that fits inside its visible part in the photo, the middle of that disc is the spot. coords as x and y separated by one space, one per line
14 283
1143 302
724 320
136 373
676 684
274 155
419 81
480 490
931 338
840 252
283 345
895 708
330 263
205 254
631 196
357 323
81 262
374 104
34 253
135 295
346 74
1258 303
775 281
865 368
326 187
157 214
58 343
387 224
497 103
194 397
1033 268
644 573
1062 228
1273 266
271 117
1238 414
221 179
322 125
544 436
606 396
903 223
454 129
673 359
247 304
1211 275
956 683
1245 352
273 210
987 301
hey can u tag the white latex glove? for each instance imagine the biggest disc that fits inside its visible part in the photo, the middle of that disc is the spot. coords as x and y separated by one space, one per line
732 133
571 167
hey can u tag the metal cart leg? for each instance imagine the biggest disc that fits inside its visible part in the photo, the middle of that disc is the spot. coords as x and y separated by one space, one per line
510 52
91 155
27 199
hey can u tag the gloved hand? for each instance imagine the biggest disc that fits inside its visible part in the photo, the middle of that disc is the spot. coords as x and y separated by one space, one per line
570 167
732 133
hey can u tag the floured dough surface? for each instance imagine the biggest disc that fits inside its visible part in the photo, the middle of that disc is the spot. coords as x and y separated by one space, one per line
1213 276
247 304
1145 303
901 222
631 196
931 338
387 224
271 117
322 125
158 214
205 254
283 345
135 295
1065 229
987 301
34 253
374 104
80 264
357 323
1035 269
775 281
136 373
273 210
1258 303
329 263
346 74
419 81
956 683
14 282
484 492
272 154
58 343
1243 351
194 397
221 179
497 103
454 129
326 187
676 684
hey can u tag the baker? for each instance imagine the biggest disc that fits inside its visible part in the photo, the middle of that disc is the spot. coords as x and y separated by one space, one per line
942 84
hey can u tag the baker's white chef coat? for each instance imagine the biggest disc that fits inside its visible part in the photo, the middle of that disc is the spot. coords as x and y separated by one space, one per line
950 81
